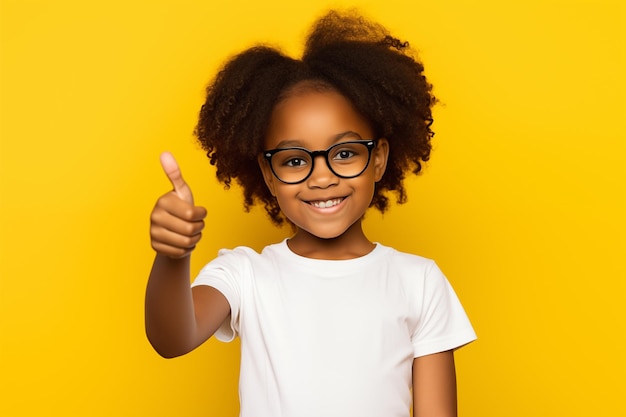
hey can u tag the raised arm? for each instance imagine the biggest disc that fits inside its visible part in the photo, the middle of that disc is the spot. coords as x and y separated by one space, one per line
178 319
434 385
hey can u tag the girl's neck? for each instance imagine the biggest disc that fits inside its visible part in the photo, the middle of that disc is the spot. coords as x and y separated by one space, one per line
351 244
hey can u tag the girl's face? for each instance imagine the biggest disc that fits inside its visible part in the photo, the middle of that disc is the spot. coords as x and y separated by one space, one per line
324 205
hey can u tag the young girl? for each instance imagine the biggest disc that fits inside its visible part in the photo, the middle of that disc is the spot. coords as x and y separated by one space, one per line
331 324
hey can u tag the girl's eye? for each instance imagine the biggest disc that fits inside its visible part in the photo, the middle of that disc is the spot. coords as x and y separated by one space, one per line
295 162
344 154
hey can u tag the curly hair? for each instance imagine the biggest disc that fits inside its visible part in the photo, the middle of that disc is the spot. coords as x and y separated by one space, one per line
345 52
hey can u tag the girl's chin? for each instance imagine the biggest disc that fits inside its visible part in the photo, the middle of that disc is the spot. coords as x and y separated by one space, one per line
321 235
328 233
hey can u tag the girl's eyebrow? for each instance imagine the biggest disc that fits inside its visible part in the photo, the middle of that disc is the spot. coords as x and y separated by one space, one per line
295 143
347 133
289 143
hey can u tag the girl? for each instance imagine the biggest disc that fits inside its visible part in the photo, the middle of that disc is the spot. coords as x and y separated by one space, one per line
331 324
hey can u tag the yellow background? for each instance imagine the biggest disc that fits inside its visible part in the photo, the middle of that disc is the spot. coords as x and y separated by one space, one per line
523 204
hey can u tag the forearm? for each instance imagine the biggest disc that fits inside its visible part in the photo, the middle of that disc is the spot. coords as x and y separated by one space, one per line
434 385
169 311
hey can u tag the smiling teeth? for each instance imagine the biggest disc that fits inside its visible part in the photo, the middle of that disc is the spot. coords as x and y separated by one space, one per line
326 204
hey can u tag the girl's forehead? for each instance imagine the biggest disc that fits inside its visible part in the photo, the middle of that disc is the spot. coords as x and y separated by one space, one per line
315 120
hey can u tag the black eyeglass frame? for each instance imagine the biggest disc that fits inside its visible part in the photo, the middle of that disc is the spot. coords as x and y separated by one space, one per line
370 144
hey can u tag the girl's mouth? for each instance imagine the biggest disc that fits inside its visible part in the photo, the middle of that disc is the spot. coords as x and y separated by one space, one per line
326 203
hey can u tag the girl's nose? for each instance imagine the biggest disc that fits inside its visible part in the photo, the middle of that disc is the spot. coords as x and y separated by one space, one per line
322 176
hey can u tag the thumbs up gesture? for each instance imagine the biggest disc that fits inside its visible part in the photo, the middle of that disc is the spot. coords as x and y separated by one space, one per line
175 223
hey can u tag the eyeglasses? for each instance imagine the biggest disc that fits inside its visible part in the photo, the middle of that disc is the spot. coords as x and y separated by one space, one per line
345 160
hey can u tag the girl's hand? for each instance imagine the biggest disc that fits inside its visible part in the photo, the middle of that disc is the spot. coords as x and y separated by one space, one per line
175 223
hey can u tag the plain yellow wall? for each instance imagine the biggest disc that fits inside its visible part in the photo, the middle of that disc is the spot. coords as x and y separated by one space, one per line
523 204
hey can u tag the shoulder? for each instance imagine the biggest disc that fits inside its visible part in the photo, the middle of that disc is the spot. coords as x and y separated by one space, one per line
237 252
416 273
405 261
244 255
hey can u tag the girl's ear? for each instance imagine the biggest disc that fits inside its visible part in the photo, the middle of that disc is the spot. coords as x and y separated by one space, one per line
267 173
379 158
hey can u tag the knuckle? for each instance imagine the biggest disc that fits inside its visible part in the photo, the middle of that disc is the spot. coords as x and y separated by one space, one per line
188 213
154 232
187 229
161 201
156 217
188 242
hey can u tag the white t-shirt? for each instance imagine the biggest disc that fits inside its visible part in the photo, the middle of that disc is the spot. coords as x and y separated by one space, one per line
326 338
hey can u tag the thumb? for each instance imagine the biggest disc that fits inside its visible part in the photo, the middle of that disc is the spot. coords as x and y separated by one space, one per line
170 166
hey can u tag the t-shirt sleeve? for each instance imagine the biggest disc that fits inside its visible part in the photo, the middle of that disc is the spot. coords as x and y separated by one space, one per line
224 274
443 324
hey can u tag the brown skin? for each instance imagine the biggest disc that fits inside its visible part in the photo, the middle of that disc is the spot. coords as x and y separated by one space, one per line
379 73
178 319
434 385
316 120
